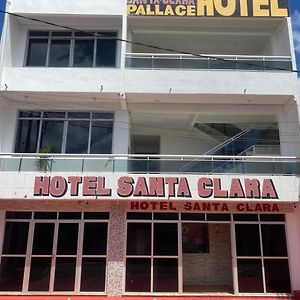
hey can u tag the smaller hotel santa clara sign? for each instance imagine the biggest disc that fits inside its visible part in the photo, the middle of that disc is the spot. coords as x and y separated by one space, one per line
209 8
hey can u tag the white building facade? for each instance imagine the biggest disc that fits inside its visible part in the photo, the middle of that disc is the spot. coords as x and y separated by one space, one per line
149 148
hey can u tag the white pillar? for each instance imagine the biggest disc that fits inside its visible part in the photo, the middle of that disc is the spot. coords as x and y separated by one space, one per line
289 130
8 123
293 245
121 132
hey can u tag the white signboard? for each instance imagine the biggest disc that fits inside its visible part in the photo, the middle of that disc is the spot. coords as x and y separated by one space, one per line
118 186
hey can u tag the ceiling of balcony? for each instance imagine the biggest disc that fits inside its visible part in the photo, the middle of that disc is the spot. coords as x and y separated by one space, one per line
204 43
194 24
176 121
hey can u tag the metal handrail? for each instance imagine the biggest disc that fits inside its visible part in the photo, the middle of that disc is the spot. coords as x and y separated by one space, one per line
207 56
227 142
253 147
156 164
155 156
207 62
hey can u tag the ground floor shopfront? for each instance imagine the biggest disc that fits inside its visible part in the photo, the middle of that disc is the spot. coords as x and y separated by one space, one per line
114 248
129 235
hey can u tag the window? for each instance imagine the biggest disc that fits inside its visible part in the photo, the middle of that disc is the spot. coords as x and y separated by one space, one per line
194 238
66 252
152 245
262 257
71 49
65 132
192 253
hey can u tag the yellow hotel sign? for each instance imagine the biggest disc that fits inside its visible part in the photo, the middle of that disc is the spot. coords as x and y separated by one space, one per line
209 8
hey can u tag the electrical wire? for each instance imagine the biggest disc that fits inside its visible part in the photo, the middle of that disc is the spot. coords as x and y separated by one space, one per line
143 44
135 43
181 132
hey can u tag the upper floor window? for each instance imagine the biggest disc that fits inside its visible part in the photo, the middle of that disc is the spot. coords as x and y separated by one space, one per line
64 132
71 49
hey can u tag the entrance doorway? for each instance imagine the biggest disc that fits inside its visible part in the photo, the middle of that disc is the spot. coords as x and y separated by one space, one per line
178 253
145 145
206 257
186 253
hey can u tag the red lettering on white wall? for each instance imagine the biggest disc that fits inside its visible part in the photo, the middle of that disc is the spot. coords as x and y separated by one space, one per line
125 186
58 186
41 186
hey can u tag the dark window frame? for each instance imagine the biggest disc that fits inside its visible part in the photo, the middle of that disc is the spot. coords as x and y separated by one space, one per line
23 285
102 117
73 36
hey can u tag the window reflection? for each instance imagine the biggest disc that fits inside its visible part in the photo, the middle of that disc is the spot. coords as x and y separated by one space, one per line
65 132
59 53
106 54
65 274
277 276
250 276
194 238
83 53
138 274
52 134
27 136
273 238
165 239
139 239
93 275
37 52
165 275
71 49
247 240
78 137
11 273
39 274
101 138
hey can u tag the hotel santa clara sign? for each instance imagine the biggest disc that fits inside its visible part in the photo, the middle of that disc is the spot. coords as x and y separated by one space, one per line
166 192
172 192
208 8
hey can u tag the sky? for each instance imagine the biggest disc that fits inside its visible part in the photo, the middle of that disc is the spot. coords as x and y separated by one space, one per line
2 6
295 13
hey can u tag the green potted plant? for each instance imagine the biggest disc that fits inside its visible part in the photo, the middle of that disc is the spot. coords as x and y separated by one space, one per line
43 162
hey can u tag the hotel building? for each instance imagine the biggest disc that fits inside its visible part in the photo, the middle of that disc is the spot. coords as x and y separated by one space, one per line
149 148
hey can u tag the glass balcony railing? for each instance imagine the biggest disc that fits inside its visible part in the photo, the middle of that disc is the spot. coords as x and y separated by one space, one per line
207 62
154 164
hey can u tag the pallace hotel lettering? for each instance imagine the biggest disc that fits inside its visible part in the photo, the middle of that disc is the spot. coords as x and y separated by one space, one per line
209 8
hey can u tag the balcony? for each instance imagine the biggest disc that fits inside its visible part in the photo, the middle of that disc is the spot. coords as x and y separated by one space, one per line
151 164
154 61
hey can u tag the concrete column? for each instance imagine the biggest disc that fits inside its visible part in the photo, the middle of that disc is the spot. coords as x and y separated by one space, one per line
289 130
121 132
8 117
293 245
116 251
123 44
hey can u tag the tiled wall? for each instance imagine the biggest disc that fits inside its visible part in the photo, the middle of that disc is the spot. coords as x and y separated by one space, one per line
213 268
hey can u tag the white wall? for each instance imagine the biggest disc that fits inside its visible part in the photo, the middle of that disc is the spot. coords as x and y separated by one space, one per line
8 118
178 144
148 81
293 244
280 41
14 44
288 123
121 133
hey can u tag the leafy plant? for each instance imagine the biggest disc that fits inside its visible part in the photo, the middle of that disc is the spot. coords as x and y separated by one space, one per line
43 162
